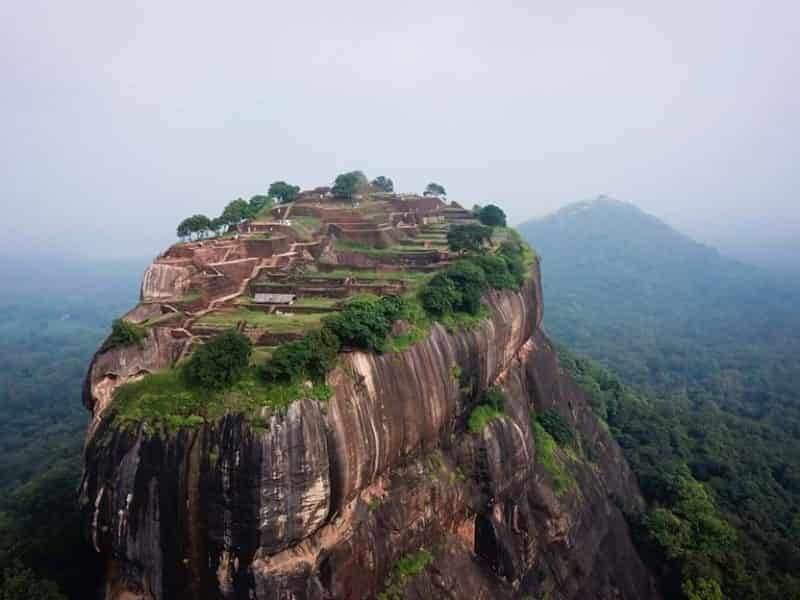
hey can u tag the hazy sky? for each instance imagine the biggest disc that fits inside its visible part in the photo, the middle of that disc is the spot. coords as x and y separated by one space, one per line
120 118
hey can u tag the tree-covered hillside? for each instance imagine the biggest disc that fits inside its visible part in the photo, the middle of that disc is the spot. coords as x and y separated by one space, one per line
53 315
715 345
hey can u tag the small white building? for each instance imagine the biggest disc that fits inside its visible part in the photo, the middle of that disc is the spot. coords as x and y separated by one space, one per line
278 299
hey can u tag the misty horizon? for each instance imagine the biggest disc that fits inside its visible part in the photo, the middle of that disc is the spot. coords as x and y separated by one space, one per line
121 121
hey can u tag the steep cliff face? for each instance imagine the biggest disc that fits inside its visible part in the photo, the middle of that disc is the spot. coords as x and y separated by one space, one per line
382 489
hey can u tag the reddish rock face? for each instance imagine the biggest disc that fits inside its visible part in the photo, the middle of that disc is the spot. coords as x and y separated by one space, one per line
327 500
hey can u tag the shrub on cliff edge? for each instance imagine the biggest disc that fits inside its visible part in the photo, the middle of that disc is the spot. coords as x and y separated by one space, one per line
125 333
365 321
311 357
220 362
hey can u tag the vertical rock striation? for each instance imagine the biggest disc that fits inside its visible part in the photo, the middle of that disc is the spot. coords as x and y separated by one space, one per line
329 499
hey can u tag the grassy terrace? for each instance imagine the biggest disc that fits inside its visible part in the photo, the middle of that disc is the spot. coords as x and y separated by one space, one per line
275 323
165 399
313 302
305 226
348 246
407 276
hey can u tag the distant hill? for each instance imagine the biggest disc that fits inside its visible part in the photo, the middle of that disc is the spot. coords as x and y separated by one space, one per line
660 308
715 344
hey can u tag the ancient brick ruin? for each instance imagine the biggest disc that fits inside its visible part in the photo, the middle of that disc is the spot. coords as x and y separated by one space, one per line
317 249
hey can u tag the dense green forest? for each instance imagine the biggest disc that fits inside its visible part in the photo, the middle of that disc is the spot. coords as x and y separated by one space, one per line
53 314
706 403
712 348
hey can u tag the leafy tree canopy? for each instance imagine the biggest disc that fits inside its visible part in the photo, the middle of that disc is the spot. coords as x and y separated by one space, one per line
312 357
384 184
469 238
349 184
434 189
236 211
470 281
220 362
196 224
283 191
364 322
492 215
440 296
125 333
257 204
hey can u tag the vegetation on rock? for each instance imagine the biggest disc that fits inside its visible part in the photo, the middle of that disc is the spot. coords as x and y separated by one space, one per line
406 569
220 362
492 216
283 191
557 426
383 184
124 333
712 347
468 238
349 184
198 225
434 189
490 408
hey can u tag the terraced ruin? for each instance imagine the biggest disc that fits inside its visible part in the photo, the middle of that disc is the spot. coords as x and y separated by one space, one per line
275 277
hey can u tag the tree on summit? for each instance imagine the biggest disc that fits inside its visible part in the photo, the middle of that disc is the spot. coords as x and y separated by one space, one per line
468 238
196 224
220 362
492 215
257 204
238 210
382 183
434 189
283 191
349 184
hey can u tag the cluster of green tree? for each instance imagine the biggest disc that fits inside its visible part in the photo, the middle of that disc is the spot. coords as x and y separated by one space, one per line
487 410
43 552
219 363
50 326
383 183
434 189
690 533
363 323
468 238
201 226
460 286
348 185
715 346
557 426
237 211
490 215
124 333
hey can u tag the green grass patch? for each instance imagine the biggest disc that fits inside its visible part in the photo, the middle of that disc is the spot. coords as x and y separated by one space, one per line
482 415
404 572
305 226
162 319
419 323
349 246
261 354
317 302
547 457
186 298
461 321
275 323
164 400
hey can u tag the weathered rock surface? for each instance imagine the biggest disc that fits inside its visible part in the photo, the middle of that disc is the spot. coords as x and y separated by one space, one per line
324 502
162 281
